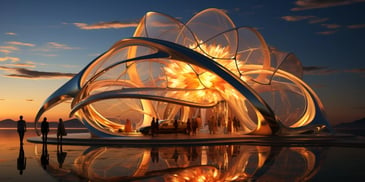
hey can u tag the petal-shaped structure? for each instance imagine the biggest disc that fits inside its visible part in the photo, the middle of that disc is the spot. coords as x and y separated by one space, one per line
207 69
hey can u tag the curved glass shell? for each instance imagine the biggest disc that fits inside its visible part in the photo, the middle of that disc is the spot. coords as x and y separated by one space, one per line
206 68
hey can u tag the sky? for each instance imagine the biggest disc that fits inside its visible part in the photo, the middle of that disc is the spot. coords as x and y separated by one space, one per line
43 43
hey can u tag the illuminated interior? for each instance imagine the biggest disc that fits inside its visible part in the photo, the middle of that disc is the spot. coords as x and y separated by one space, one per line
204 68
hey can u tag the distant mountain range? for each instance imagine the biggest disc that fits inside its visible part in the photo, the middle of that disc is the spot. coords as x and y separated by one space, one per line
358 124
355 127
72 123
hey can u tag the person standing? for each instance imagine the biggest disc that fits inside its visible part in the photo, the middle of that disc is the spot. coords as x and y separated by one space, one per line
22 128
44 129
61 131
152 128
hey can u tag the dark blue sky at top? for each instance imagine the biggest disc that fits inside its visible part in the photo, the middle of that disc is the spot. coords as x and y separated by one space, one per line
335 61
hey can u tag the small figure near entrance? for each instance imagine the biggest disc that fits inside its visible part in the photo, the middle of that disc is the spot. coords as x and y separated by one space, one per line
44 129
22 128
176 125
153 126
61 131
188 127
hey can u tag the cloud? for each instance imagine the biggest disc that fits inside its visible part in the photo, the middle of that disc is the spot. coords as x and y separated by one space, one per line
326 32
10 33
105 25
56 45
331 26
33 74
318 70
20 43
52 46
315 4
8 49
360 71
12 59
317 20
356 26
356 70
29 100
296 18
29 65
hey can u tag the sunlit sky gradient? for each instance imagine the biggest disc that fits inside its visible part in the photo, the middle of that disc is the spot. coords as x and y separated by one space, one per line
43 43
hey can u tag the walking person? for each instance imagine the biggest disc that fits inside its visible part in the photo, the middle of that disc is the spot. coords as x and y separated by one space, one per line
21 128
176 125
61 131
188 127
44 129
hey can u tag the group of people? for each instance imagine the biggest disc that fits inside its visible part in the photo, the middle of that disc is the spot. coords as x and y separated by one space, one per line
22 128
154 126
192 126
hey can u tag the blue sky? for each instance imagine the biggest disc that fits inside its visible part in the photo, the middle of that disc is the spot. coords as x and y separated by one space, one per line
43 43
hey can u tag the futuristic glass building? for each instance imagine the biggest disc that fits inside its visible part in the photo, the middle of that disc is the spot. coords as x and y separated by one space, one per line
206 68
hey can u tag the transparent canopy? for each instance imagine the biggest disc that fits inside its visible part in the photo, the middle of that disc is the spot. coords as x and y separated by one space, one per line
206 68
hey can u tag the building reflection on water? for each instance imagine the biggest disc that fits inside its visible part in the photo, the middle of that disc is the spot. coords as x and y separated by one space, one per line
187 163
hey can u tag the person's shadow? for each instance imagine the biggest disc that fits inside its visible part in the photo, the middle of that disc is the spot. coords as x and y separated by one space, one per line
44 156
61 155
22 160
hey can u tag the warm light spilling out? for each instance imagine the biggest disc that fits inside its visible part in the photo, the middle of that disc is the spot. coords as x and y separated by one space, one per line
206 68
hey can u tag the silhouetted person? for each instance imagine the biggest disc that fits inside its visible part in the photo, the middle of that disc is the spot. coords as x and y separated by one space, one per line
157 129
44 156
22 128
61 155
176 125
61 131
194 126
44 129
152 128
22 160
188 127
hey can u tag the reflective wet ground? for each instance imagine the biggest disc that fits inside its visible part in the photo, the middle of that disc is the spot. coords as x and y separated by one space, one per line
236 162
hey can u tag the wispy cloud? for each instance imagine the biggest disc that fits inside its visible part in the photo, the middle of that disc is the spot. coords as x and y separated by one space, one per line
20 43
29 65
8 49
106 25
29 100
318 70
52 46
10 33
317 20
297 18
8 58
356 70
360 71
331 26
327 32
33 74
315 4
56 45
356 26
